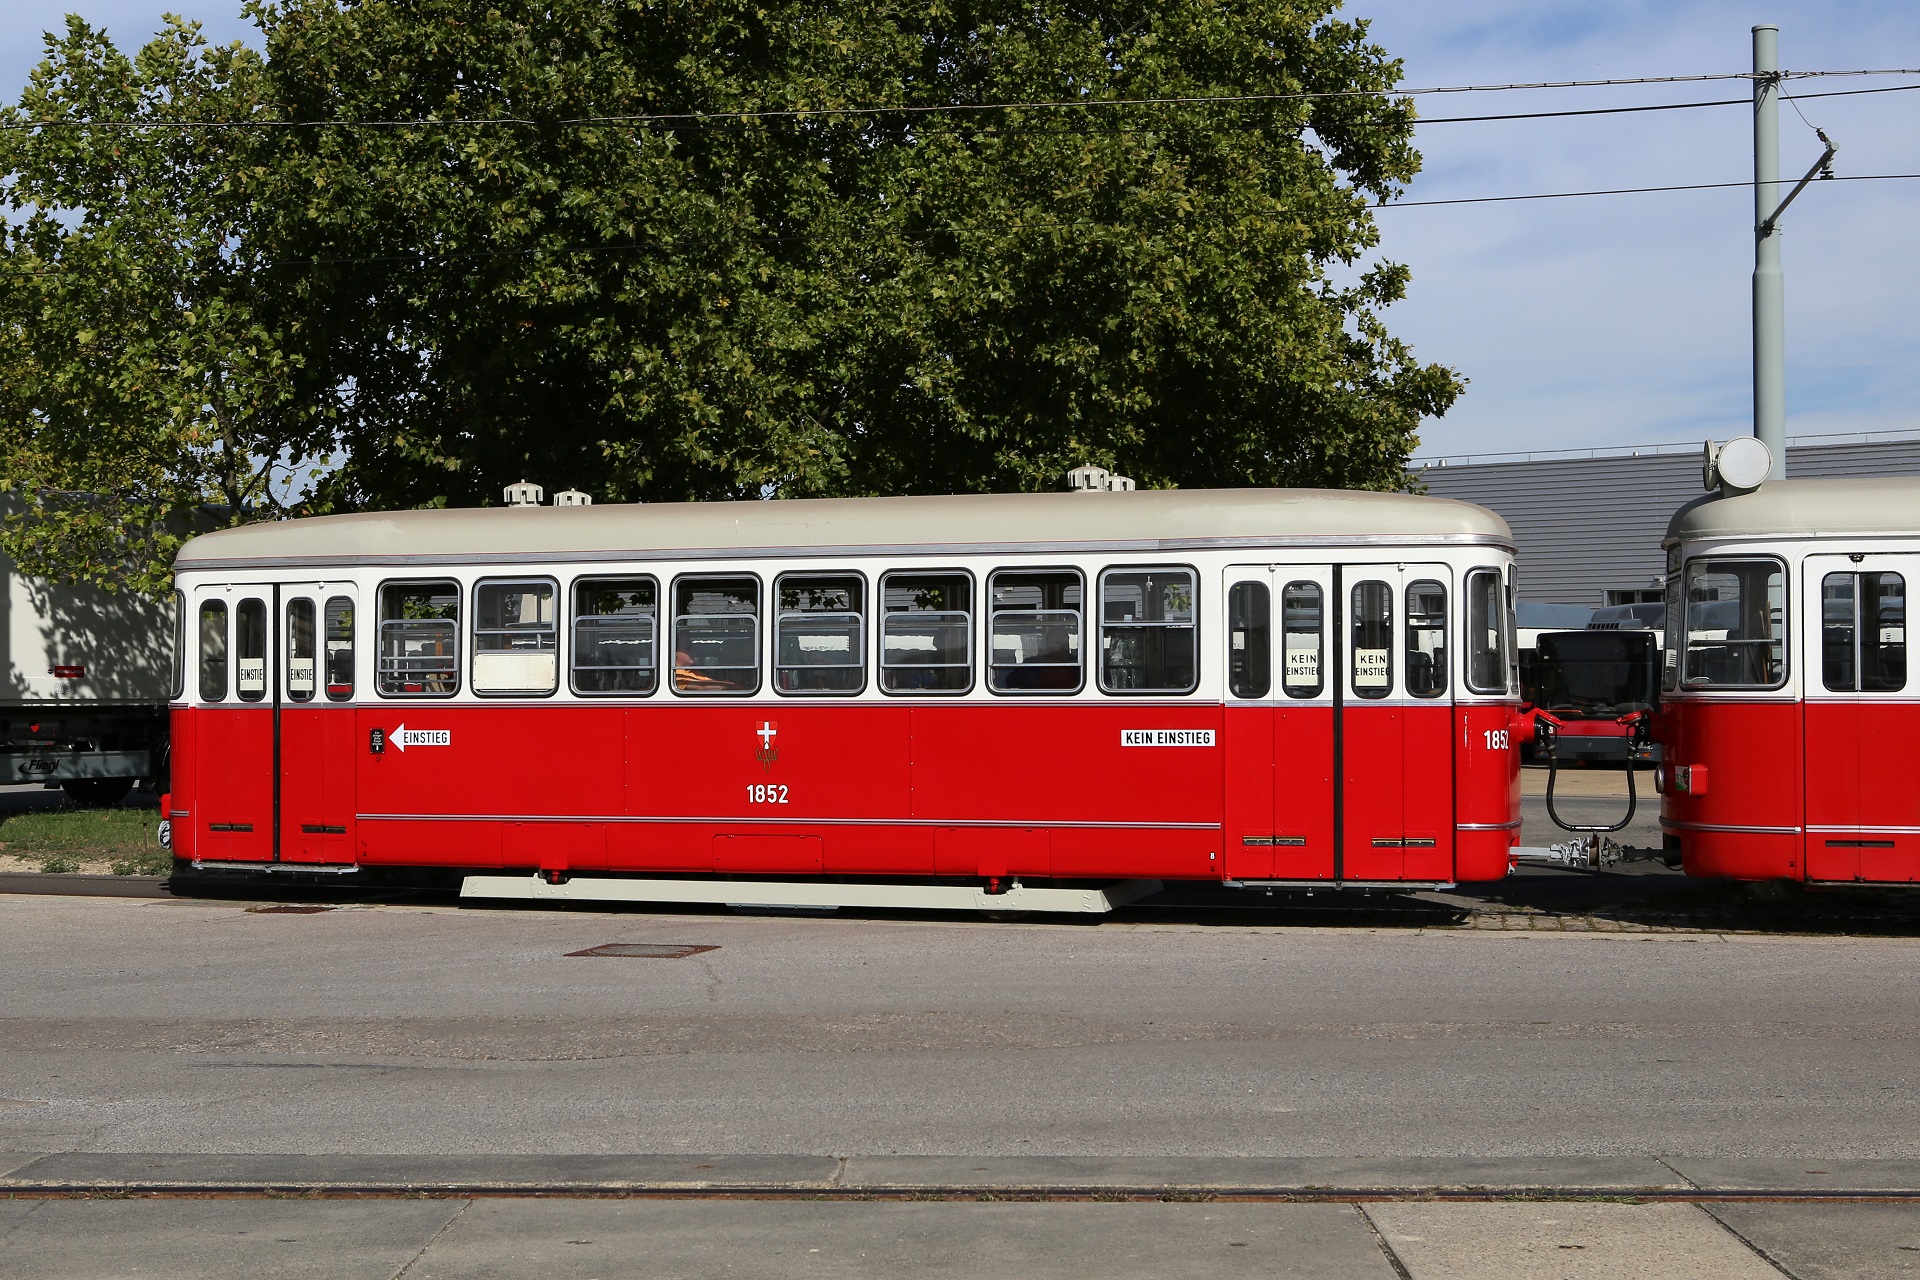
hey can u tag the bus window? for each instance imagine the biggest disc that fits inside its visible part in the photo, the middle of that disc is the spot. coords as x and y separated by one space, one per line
1863 632
1148 641
516 636
250 650
1035 626
615 621
1486 633
1249 639
300 650
1736 624
716 635
213 650
419 639
1372 639
1303 638
818 634
1426 639
926 633
339 622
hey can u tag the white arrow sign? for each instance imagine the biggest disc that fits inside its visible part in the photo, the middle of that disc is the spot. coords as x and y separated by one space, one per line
404 737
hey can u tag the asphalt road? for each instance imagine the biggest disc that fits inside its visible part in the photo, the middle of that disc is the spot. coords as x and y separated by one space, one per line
182 1026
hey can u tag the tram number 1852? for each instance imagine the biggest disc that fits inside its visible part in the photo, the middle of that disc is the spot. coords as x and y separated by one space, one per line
1497 739
766 793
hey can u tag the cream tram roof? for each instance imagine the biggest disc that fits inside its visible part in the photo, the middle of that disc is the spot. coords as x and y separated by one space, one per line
1803 508
1147 520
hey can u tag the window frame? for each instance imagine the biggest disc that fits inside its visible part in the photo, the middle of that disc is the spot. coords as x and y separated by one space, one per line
1100 594
182 616
574 615
353 642
881 613
759 633
1305 694
1407 630
207 604
287 648
474 632
1352 674
1858 621
861 615
381 623
989 613
1262 593
264 611
1472 630
1687 681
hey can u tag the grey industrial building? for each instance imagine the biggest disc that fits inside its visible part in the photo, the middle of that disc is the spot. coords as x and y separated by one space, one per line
1589 527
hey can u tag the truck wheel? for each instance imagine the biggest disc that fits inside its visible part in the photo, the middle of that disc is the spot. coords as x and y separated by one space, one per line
97 793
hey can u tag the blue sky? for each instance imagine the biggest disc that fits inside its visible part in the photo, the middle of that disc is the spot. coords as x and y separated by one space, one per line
1611 321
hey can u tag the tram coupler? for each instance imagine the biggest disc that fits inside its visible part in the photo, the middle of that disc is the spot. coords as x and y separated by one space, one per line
1590 852
1593 848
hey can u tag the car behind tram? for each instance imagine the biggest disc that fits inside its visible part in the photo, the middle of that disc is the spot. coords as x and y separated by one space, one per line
938 701
1788 717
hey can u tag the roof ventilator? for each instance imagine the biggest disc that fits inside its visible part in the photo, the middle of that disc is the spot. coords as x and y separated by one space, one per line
1091 479
524 494
572 498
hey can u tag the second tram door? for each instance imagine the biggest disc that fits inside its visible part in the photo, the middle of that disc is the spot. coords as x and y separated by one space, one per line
315 758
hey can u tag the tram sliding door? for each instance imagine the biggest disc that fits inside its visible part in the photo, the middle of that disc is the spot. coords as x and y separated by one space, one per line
232 732
1396 723
315 759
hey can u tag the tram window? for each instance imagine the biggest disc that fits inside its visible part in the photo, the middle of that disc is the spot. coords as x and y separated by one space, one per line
615 621
926 633
1426 639
819 634
516 636
1372 639
1486 633
178 686
1736 624
1249 639
1670 658
300 650
1148 632
1035 627
716 635
213 650
250 650
1303 639
419 639
339 624
1863 632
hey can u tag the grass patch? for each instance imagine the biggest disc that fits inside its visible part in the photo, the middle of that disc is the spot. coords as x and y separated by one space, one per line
61 839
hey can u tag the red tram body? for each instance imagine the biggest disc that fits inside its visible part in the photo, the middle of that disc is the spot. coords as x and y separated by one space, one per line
1788 722
1250 686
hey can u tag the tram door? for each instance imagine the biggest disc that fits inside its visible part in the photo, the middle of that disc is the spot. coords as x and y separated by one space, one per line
1396 723
233 727
315 758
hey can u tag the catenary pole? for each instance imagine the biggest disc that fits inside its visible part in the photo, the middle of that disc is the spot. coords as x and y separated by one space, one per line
1769 286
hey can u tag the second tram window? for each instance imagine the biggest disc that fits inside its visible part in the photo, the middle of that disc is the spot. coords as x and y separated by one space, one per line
926 633
1035 626
1148 628
300 650
1736 624
1372 639
1863 632
819 633
615 621
339 638
213 650
419 639
250 650
1486 633
1426 639
1249 639
716 635
1302 629
516 636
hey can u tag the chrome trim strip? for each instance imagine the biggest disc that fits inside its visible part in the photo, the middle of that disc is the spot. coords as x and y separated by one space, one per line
1410 886
1488 826
1736 828
1862 831
668 555
785 822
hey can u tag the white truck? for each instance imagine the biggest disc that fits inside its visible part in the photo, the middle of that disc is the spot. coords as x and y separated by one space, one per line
84 680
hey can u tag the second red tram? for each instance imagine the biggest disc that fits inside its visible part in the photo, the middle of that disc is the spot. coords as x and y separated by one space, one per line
1257 687
1790 726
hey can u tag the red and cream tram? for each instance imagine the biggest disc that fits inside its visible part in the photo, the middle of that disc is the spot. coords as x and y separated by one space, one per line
1788 720
1259 687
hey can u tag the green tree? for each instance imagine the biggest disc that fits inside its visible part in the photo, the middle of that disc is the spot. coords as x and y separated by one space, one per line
151 379
694 301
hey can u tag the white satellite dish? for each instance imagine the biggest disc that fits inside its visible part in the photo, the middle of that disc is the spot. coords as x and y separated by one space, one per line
1743 464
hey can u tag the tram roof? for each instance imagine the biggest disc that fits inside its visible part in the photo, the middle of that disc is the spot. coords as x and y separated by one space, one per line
1802 508
1146 520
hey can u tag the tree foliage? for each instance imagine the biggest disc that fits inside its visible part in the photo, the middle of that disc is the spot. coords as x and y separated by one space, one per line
748 282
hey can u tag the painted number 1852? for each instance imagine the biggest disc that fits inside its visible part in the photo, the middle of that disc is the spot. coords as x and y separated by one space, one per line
1497 739
766 793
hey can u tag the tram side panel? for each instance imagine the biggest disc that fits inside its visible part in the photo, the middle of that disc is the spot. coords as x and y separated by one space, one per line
317 784
1302 813
1741 817
1486 790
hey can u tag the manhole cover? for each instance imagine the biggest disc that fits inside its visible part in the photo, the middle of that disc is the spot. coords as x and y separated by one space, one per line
643 950
288 909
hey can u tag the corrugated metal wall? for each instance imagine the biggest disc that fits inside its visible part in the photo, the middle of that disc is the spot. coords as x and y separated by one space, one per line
1587 525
